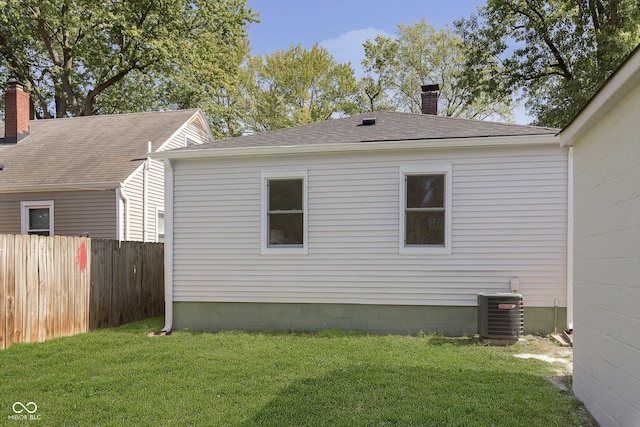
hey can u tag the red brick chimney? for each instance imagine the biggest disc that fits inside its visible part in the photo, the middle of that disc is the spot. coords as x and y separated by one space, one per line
429 98
16 112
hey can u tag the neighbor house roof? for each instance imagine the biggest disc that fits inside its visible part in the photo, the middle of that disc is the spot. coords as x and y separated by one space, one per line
397 129
85 152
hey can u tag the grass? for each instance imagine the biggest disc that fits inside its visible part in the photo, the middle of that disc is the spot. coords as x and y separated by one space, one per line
117 377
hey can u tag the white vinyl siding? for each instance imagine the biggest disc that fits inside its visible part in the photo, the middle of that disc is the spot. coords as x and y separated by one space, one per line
121 215
607 264
508 214
134 187
194 131
155 198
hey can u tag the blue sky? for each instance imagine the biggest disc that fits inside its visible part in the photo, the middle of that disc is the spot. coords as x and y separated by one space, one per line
341 26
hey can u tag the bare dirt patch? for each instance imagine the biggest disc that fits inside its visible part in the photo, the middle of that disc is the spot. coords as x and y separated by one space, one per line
561 359
541 348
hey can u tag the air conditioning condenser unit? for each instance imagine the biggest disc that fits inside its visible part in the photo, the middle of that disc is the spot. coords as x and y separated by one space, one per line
500 316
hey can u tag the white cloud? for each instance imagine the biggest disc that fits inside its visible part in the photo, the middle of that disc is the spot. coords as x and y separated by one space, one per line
347 47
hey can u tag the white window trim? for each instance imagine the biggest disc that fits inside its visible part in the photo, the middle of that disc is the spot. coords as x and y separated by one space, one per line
122 215
158 213
24 214
264 232
426 170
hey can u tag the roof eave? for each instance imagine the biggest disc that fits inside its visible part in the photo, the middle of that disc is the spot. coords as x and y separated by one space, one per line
616 88
543 139
197 113
47 188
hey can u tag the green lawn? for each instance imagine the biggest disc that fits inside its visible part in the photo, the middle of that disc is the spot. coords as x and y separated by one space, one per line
120 377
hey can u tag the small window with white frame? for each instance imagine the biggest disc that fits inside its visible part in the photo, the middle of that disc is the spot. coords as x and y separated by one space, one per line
425 214
37 217
284 213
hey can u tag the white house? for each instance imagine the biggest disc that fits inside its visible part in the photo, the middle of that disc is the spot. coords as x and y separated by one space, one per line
605 137
88 175
385 222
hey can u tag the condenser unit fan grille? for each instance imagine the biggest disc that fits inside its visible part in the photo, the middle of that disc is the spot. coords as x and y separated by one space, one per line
500 316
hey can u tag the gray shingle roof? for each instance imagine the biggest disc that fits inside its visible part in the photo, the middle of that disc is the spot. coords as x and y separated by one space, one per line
85 150
389 126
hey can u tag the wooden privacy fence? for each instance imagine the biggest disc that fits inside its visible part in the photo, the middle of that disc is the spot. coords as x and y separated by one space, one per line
60 286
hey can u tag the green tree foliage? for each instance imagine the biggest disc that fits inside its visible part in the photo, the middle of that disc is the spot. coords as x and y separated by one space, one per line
372 96
380 65
396 68
297 86
555 52
84 57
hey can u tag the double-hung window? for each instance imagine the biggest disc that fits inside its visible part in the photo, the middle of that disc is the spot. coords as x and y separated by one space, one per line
37 217
284 212
425 214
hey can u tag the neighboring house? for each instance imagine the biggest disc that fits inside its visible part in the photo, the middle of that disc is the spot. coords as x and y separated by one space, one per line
385 222
88 175
605 137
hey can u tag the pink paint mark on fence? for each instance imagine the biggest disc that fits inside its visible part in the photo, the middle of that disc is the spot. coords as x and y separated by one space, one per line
82 256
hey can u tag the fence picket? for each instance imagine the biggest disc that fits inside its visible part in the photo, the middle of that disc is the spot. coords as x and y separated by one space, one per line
10 296
63 276
21 286
43 291
3 290
59 286
33 290
85 277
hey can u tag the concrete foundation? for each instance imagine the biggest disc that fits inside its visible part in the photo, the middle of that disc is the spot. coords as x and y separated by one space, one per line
449 321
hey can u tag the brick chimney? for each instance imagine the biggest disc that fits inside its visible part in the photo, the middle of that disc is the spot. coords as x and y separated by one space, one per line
16 112
429 98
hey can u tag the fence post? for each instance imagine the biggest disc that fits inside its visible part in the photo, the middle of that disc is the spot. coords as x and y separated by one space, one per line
59 286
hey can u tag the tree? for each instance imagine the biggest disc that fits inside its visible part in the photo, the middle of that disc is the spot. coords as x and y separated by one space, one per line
372 96
419 55
297 86
82 57
556 52
379 65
